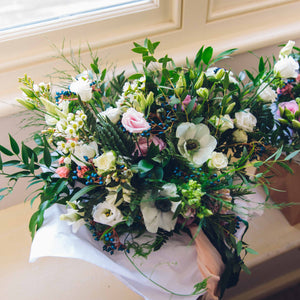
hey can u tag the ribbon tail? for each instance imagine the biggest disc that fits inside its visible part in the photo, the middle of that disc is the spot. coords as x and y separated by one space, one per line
209 263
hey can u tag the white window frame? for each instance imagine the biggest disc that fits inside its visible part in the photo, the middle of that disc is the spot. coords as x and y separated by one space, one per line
182 27
28 50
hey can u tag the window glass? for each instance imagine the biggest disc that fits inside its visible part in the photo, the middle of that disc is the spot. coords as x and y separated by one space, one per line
18 13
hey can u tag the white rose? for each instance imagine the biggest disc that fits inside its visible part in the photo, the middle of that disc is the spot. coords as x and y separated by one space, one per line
240 136
245 120
266 93
106 213
82 88
105 162
287 49
113 114
218 161
286 67
84 151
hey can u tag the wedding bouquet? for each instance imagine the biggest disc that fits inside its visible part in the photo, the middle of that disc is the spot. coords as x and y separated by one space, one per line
166 151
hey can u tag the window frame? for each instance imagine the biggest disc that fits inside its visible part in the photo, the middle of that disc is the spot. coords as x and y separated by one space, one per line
182 27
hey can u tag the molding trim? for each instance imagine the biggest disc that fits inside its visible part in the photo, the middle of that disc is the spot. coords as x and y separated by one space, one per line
219 9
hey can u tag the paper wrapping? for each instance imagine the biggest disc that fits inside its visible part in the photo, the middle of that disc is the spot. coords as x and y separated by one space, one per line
173 266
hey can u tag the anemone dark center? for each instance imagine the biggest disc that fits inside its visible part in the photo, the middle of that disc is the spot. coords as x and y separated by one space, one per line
192 145
163 204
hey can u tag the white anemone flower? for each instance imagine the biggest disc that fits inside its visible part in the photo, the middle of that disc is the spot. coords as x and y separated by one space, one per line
158 214
154 218
195 142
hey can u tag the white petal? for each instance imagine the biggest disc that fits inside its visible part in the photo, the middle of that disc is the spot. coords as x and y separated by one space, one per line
150 213
166 221
174 205
201 131
183 128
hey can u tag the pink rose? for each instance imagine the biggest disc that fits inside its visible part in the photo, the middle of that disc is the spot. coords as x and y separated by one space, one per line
298 78
292 106
81 171
144 144
63 172
134 121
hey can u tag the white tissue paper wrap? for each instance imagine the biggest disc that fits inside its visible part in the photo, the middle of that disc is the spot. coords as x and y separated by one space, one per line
173 266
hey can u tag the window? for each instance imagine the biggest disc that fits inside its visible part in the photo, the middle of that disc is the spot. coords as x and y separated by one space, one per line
182 26
17 13
27 49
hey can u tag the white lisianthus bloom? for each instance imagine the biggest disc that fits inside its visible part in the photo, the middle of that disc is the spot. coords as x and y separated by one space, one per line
51 121
245 120
223 123
287 49
73 217
195 142
82 88
155 217
266 93
286 67
113 114
240 136
218 161
84 151
106 213
105 162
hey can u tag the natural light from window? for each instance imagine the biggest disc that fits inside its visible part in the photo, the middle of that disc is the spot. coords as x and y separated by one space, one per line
19 13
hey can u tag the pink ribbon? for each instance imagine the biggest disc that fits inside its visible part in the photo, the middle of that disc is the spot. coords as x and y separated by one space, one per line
209 263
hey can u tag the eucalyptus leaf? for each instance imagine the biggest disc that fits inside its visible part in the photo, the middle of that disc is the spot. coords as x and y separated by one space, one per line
14 145
291 155
47 157
6 151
